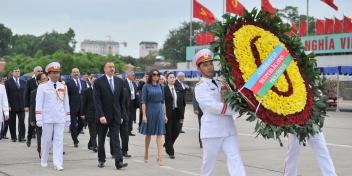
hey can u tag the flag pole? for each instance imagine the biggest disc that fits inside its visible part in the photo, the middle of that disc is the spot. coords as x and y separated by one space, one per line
223 7
307 17
190 26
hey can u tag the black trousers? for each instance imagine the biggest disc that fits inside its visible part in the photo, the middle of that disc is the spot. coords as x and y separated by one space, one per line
114 129
76 126
4 128
39 138
200 124
131 115
92 126
124 135
21 126
173 128
31 130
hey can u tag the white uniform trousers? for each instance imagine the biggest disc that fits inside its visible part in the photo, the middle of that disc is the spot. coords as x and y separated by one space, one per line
53 133
211 149
318 145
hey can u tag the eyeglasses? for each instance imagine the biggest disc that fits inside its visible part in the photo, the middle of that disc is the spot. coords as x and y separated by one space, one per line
156 74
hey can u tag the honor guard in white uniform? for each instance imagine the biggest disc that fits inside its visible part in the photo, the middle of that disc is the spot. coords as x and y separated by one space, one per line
318 145
218 132
53 114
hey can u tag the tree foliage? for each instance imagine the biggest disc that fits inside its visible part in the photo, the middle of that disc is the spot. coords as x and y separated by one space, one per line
174 48
290 14
5 40
30 45
87 63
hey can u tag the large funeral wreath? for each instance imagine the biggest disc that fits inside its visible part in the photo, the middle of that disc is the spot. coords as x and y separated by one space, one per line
295 103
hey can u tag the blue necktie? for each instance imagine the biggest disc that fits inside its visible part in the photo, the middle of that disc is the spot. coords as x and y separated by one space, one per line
132 90
111 85
17 83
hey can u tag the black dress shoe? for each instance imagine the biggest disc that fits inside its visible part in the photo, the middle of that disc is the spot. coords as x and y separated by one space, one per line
126 155
101 164
120 165
182 131
131 134
94 149
172 156
4 137
21 140
28 143
14 140
75 145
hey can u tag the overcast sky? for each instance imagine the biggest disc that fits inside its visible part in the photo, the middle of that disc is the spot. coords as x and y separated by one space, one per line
128 20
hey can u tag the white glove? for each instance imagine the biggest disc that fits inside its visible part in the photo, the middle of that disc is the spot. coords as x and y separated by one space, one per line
39 123
68 123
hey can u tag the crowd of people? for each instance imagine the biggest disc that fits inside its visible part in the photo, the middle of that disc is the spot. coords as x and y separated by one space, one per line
108 106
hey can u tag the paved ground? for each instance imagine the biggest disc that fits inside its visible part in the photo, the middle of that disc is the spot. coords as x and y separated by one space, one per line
261 157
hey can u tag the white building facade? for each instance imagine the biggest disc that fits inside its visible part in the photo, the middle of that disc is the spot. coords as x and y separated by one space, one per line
147 49
100 47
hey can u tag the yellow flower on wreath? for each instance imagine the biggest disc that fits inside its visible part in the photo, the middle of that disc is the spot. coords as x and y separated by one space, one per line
281 105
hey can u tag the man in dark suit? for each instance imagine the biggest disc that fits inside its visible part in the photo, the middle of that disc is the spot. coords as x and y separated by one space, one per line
15 93
183 87
40 78
133 100
75 88
88 111
31 84
173 104
110 112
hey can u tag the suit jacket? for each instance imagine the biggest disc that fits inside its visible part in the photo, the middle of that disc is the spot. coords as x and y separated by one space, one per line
196 107
107 103
75 97
30 85
87 106
32 101
178 86
135 102
15 95
169 101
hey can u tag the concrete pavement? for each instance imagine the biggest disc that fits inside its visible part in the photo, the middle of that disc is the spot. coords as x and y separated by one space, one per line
261 157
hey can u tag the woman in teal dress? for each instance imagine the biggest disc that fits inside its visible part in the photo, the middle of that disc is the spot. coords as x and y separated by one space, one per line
154 117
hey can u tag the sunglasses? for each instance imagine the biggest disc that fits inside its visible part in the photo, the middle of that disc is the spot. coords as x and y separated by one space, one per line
156 74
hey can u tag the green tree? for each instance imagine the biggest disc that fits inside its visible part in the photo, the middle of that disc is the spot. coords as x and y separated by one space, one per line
25 44
5 40
87 63
174 48
290 14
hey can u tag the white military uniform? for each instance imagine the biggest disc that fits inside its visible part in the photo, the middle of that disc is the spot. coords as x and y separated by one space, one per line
318 145
52 113
4 105
218 131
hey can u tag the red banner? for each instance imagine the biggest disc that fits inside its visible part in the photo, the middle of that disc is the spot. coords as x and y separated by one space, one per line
331 4
204 38
234 6
303 28
329 26
267 7
202 13
319 26
347 24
